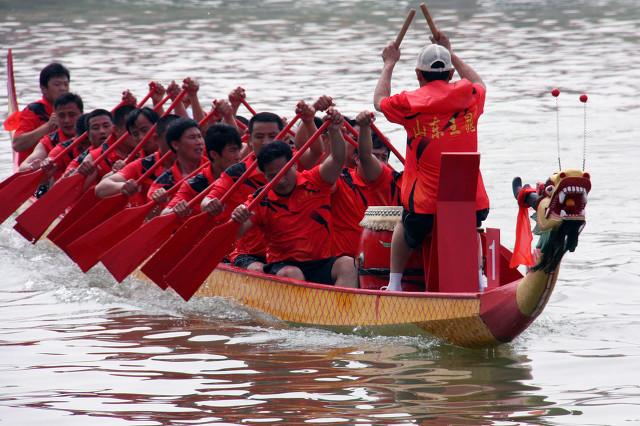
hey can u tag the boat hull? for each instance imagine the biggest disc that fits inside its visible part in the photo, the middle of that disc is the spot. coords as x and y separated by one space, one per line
474 320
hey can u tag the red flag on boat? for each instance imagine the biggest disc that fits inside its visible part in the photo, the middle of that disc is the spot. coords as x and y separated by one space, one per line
522 249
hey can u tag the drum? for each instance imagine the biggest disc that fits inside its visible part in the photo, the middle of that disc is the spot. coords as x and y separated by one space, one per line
375 251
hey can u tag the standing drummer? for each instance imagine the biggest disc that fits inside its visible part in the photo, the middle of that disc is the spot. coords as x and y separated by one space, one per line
439 116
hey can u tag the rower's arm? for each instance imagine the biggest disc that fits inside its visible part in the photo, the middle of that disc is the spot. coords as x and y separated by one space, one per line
110 185
192 87
305 130
39 153
390 56
332 165
28 140
464 70
369 164
242 215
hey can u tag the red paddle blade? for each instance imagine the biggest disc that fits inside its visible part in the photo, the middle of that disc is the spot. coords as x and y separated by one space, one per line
97 214
14 195
14 176
193 269
77 210
34 221
87 250
123 258
176 247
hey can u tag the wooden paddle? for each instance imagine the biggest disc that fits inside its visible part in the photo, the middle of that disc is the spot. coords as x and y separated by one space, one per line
192 270
34 221
100 211
128 254
89 198
20 186
194 229
114 229
87 249
92 210
248 107
430 23
405 27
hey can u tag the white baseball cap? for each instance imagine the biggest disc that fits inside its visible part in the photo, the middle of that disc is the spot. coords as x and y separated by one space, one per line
430 55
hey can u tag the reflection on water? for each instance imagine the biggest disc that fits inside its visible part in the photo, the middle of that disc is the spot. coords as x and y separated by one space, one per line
146 368
78 349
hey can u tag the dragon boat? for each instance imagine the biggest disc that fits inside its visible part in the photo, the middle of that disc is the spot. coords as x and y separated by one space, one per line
444 295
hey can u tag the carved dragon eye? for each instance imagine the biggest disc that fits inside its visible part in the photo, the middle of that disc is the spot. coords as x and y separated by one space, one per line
549 189
586 175
563 175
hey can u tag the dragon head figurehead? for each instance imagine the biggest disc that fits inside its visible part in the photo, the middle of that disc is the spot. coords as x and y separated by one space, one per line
560 205
563 197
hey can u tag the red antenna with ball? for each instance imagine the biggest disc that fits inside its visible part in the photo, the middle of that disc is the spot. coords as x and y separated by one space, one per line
583 99
555 93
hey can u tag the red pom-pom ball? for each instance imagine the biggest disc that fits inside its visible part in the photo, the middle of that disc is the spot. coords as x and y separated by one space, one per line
555 92
583 98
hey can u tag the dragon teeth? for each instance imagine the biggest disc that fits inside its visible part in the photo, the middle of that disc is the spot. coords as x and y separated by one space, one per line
563 213
562 197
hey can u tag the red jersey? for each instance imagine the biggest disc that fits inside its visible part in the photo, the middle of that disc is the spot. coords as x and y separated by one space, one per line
253 241
52 139
105 166
170 177
438 117
135 170
63 162
32 116
350 199
298 225
191 188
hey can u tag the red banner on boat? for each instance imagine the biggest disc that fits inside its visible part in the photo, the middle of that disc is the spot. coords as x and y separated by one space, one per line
522 249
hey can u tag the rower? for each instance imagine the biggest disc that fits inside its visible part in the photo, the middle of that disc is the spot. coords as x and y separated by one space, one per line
296 214
184 138
95 172
99 123
438 117
68 108
139 122
250 250
371 182
38 118
223 147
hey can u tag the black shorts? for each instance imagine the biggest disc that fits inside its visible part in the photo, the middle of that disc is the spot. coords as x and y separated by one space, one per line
417 226
244 260
317 271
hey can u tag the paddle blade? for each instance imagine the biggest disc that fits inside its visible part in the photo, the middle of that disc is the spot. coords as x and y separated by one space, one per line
77 210
97 214
177 247
193 269
34 221
123 258
14 176
14 194
87 250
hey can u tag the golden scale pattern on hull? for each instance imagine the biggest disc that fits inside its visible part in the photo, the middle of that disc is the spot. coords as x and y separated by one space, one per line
455 318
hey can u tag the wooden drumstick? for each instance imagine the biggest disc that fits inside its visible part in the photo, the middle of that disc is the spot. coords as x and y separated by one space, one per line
405 27
432 25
